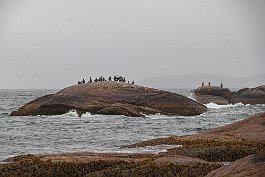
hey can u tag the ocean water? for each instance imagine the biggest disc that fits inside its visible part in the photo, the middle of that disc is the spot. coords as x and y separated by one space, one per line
100 133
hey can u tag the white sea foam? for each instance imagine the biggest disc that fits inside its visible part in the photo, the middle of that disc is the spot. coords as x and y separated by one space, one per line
192 96
148 149
158 116
216 106
71 113
86 115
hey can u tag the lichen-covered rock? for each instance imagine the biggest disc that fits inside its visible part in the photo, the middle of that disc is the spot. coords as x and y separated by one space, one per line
111 97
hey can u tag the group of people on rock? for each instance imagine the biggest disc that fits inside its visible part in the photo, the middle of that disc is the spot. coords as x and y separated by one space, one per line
210 84
102 79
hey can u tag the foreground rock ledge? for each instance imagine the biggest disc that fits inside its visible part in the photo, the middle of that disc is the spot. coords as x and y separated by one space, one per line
112 98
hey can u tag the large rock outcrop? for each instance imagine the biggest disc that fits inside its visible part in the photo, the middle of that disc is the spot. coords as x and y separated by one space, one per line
111 98
218 95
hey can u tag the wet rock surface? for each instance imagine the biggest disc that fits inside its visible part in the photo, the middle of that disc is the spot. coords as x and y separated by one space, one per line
218 95
111 98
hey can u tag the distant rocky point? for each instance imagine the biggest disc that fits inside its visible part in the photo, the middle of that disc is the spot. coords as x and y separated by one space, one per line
112 98
218 95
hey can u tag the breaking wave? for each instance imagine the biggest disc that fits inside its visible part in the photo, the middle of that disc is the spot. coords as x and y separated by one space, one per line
73 114
148 149
216 106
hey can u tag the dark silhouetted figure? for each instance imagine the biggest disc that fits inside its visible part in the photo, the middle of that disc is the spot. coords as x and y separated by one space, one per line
78 82
83 81
96 80
221 85
209 83
110 78
132 82
90 80
202 83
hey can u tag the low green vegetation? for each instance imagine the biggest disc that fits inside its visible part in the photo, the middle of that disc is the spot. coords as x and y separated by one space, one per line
216 151
34 166
209 150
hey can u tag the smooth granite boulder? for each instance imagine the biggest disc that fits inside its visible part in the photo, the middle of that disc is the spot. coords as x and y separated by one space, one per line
112 98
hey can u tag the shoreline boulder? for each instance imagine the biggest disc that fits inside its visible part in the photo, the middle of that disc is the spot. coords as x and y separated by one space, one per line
112 98
252 165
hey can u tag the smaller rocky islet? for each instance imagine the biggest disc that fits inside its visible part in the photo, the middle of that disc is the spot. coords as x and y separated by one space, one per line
219 95
112 98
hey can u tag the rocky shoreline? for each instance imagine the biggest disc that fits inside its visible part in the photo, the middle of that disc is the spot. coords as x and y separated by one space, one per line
242 144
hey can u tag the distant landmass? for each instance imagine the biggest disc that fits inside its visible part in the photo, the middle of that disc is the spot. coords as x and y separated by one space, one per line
195 80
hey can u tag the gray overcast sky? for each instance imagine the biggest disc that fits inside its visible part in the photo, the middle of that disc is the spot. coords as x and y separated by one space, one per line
54 43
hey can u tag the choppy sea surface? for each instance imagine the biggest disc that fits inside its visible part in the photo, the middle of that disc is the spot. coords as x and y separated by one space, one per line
100 133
